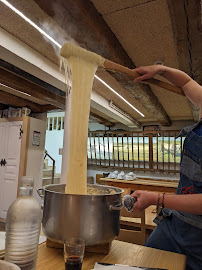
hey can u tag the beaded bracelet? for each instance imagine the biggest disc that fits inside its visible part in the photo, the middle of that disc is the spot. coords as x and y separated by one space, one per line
162 204
157 205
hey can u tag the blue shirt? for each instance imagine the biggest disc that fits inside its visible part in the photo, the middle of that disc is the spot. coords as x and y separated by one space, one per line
198 130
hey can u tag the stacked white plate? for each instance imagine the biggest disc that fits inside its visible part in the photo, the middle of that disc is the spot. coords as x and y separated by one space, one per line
115 267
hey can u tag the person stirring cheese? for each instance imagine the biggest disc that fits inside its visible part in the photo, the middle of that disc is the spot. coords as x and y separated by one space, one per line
180 229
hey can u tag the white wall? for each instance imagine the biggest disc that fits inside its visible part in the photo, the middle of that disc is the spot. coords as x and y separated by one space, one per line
35 154
54 141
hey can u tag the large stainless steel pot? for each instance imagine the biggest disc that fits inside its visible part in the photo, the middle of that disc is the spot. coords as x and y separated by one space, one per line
95 218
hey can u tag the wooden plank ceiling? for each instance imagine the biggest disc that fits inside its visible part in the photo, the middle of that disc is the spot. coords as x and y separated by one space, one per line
131 33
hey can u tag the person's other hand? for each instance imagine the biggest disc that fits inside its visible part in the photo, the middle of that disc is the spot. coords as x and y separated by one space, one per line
144 199
146 73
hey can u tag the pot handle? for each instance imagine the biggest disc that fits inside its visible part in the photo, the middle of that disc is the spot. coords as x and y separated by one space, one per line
116 207
39 193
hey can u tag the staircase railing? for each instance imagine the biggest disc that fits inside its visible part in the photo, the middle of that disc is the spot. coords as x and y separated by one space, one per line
53 168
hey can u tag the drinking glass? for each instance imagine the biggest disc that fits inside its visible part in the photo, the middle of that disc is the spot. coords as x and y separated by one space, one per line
73 253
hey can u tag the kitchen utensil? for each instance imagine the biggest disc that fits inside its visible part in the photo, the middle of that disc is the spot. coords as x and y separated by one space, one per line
119 68
94 218
70 49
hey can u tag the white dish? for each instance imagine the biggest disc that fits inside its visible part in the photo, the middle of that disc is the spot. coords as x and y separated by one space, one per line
121 175
115 267
128 177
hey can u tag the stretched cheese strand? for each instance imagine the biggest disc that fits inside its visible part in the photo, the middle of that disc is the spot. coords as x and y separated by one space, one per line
74 163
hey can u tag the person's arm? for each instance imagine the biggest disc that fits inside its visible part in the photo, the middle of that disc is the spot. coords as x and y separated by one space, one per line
190 203
178 78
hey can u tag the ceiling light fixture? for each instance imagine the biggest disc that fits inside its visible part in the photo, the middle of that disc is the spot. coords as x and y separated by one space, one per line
119 95
113 106
15 90
58 45
30 22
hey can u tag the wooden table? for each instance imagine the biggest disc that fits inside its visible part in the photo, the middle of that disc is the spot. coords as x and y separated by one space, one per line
142 184
120 253
150 214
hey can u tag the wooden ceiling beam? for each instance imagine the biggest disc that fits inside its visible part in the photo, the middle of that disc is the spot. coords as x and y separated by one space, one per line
31 78
2 106
15 101
7 100
47 108
101 120
84 24
148 99
186 22
19 83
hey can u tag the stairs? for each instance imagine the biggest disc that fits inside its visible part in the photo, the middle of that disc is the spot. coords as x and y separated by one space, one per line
47 175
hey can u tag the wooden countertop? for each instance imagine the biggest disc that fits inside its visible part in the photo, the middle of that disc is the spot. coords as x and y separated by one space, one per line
146 184
120 253
150 214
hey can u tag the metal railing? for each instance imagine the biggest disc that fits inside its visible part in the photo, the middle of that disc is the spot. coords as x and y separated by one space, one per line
143 150
53 167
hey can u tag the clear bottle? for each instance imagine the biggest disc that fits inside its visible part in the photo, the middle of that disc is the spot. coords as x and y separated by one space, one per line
23 224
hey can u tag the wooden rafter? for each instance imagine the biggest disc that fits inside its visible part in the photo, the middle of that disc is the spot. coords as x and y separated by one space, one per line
9 67
101 120
12 100
2 106
14 81
91 32
15 101
47 108
188 38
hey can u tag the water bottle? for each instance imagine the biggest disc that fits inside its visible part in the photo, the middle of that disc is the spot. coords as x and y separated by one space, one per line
23 224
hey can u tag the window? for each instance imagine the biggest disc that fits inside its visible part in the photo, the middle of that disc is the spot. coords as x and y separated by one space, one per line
55 123
50 123
137 150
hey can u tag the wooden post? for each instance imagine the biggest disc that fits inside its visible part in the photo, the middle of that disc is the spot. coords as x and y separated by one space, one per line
150 151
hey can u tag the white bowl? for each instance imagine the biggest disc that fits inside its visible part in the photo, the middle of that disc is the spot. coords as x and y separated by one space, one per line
120 176
8 266
114 176
128 177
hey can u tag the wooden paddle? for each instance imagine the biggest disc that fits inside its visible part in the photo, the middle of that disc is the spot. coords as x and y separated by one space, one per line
116 67
71 50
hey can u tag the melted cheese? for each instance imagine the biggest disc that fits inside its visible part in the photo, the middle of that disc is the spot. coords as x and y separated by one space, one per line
83 65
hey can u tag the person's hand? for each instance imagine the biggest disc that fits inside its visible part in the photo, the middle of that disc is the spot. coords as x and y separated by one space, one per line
144 199
147 72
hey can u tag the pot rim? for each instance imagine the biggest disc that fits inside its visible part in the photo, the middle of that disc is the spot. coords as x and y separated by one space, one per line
118 190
